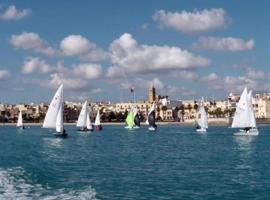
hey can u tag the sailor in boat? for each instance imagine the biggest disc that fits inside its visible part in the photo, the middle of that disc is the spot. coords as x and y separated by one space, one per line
61 134
247 129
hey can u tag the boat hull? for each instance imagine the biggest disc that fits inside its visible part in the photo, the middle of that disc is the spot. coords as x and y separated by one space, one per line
201 130
60 134
98 128
151 128
251 132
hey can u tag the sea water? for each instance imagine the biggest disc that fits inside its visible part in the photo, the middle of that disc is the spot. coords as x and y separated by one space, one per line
175 162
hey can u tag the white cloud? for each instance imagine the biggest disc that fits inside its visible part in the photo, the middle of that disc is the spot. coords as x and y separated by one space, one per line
88 70
33 64
11 13
224 44
74 45
257 74
128 57
70 83
158 84
192 22
32 41
185 75
210 77
4 74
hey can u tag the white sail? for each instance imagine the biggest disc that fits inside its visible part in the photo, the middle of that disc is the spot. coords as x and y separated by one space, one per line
59 120
135 111
202 119
151 110
251 110
97 121
53 111
20 120
88 121
242 114
82 120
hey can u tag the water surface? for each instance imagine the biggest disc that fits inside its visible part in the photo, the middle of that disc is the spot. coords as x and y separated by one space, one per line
175 162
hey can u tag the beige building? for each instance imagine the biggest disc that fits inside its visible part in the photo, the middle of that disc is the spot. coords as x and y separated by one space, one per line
261 104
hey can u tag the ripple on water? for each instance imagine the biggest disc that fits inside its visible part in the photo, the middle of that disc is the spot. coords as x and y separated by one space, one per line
15 185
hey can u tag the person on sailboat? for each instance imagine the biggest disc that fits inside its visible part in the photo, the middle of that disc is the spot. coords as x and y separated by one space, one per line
244 116
55 114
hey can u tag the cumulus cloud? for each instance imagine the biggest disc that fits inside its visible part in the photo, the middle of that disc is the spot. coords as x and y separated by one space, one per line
257 74
12 13
72 45
88 71
210 77
185 75
4 74
224 44
70 83
129 57
35 64
32 41
192 22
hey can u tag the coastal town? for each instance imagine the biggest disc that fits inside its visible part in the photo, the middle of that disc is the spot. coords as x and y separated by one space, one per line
167 110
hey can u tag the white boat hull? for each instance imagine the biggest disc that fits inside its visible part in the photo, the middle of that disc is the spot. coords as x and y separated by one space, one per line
152 128
128 127
201 130
251 132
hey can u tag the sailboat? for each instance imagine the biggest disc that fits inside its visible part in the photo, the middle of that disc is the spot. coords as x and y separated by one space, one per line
98 126
130 120
20 121
54 115
152 118
136 119
84 121
244 116
89 124
201 119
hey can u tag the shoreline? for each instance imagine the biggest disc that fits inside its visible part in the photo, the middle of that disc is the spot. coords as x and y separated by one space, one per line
185 123
188 122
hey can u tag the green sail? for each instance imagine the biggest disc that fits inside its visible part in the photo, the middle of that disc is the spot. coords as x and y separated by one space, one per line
130 119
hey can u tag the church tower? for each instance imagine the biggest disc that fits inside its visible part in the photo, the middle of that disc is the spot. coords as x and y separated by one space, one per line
151 94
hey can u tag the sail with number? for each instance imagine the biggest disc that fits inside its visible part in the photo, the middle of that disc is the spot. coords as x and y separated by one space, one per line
201 117
243 116
54 115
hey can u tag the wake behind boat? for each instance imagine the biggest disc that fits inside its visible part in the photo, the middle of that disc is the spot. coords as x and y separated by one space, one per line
244 116
201 119
54 115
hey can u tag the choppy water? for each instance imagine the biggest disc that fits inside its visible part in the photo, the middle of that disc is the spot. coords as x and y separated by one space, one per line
173 163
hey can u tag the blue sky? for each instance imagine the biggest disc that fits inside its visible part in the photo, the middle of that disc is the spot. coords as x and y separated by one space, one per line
99 49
